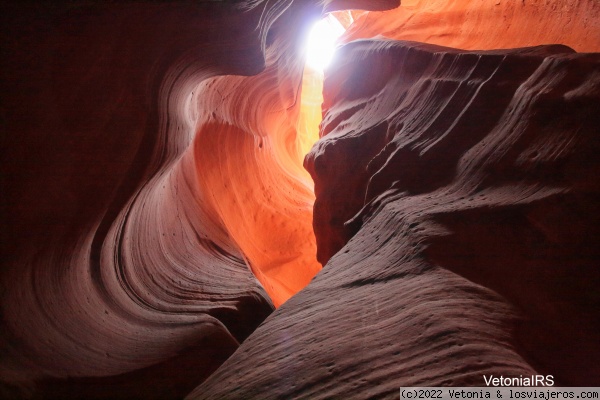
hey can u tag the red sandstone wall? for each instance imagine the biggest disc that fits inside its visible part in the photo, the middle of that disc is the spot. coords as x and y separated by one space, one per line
143 194
493 24
456 211
140 192
467 248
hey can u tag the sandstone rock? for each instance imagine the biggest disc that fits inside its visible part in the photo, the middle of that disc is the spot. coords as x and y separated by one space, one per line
155 208
456 209
117 280
477 25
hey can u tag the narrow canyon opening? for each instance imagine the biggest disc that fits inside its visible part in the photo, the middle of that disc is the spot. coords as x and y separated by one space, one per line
264 197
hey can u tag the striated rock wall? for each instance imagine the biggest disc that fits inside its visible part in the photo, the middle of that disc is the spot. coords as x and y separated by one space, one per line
499 189
155 210
456 211
140 192
248 153
494 24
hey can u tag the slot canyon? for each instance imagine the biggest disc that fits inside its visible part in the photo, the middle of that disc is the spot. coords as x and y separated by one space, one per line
190 212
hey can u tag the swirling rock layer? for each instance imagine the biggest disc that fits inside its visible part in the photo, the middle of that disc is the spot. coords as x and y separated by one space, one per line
141 191
497 24
155 208
456 209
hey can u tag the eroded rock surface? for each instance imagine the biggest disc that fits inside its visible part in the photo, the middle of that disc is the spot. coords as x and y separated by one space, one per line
155 208
133 190
456 209
495 24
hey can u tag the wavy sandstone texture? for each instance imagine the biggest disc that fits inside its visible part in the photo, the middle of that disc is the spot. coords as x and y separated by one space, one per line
483 24
456 209
155 209
140 190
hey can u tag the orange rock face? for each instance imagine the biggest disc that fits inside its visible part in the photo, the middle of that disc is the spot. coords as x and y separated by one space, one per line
143 195
495 24
248 163
440 184
156 209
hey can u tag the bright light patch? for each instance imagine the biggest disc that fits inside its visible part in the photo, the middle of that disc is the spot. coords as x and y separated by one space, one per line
321 42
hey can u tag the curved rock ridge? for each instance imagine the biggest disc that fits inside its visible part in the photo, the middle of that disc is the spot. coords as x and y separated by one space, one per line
142 195
155 211
262 196
477 25
456 211
248 152
495 150
125 261
359 5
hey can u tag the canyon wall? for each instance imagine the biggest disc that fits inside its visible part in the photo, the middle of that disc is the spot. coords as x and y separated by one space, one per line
155 207
494 24
456 212
142 195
